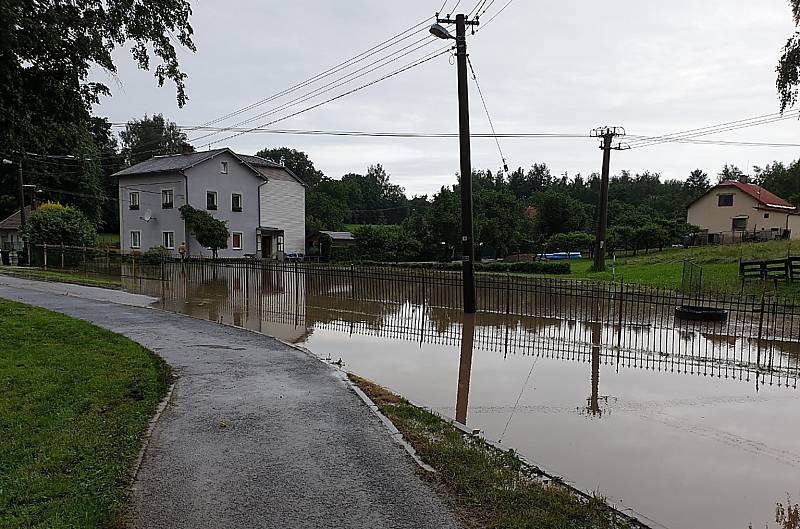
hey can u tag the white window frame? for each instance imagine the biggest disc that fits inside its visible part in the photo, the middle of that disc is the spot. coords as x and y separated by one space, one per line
241 240
241 202
164 242
138 245
131 204
279 243
223 167
258 244
216 200
172 195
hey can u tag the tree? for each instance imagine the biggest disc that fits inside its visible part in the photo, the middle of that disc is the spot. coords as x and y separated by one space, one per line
209 232
697 183
729 172
48 49
53 223
296 161
575 241
789 65
559 213
151 136
385 243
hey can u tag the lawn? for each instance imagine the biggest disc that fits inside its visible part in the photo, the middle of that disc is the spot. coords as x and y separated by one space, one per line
491 488
720 266
66 276
74 402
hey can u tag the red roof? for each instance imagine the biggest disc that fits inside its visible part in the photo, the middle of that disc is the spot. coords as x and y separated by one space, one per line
764 197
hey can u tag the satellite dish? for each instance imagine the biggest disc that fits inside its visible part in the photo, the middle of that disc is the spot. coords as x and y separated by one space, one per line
148 214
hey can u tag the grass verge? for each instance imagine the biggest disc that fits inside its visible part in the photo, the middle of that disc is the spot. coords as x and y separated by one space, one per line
74 402
75 278
491 488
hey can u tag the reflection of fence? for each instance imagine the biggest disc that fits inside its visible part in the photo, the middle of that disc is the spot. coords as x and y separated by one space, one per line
640 331
762 318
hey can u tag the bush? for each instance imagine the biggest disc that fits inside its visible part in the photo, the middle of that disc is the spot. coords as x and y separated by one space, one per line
575 241
385 243
155 255
56 224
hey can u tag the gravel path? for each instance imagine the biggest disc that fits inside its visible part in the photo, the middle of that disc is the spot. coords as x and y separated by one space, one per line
257 434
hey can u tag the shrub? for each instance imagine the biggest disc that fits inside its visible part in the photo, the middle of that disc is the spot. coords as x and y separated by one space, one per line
574 241
155 255
56 224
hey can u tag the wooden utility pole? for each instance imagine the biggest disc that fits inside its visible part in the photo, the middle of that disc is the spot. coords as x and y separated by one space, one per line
607 134
467 237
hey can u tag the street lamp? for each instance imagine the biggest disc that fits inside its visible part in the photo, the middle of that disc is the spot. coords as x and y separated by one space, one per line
439 31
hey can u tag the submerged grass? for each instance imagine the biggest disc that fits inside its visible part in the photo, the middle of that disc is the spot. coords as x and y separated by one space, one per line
74 402
76 278
492 488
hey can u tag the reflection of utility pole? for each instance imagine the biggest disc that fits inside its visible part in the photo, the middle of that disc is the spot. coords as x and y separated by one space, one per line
465 367
468 250
607 134
594 404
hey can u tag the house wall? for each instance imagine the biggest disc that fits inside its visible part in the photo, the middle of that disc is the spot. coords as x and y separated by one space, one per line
149 188
707 214
283 206
794 225
207 176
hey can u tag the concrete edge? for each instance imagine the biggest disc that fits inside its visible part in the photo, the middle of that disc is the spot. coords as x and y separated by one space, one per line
148 432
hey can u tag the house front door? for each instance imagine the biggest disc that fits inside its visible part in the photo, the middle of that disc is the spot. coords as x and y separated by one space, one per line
266 246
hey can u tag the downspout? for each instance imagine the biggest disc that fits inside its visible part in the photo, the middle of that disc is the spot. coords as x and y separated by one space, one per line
186 202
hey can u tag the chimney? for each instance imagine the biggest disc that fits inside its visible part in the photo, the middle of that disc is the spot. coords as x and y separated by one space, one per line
743 178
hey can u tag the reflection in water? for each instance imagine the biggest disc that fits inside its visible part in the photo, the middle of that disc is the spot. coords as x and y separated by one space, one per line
465 367
676 447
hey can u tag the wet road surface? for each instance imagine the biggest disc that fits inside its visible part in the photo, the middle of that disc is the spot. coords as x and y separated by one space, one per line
257 434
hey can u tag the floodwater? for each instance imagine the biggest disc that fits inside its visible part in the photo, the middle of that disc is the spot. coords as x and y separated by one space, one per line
685 426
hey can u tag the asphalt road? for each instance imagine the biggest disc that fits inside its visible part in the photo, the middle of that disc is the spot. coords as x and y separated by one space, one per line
257 434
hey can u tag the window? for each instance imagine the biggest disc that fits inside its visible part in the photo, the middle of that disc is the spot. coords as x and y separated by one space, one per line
133 200
166 198
236 202
136 239
766 215
740 224
258 244
168 239
724 201
211 200
280 243
223 167
236 240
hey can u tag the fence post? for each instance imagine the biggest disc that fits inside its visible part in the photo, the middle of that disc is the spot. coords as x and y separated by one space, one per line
62 255
45 255
620 310
352 281
108 263
83 259
760 331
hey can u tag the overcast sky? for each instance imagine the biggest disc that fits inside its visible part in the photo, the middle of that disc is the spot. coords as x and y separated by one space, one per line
544 66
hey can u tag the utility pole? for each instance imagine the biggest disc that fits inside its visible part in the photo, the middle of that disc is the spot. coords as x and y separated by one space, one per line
607 134
467 240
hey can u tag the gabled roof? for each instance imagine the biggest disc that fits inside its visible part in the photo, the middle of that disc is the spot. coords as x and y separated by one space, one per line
339 235
181 162
13 221
765 198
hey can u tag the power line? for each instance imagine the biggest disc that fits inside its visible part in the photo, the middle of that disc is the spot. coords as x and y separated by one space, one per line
488 116
332 85
435 54
330 71
495 15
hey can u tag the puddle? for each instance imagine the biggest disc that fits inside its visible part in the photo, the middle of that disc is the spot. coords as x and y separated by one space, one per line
689 426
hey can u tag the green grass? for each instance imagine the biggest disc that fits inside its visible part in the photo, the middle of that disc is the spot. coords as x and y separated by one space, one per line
76 278
108 240
491 488
74 402
720 267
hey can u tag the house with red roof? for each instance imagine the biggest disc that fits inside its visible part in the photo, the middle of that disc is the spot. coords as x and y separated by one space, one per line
736 210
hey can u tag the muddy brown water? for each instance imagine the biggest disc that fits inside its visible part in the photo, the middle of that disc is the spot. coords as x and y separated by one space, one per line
687 426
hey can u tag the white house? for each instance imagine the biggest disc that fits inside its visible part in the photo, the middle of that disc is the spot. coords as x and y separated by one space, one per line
262 202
